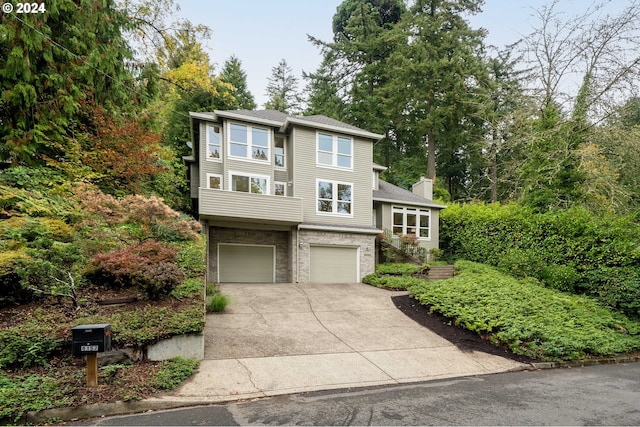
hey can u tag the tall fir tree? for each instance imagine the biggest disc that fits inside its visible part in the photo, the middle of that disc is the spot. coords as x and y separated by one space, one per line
233 74
282 89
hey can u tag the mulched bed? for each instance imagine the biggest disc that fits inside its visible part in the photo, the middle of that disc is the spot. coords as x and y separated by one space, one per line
464 339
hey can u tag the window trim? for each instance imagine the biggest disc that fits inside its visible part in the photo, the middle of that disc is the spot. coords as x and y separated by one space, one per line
207 142
208 178
250 176
284 152
284 184
334 151
334 200
249 144
419 212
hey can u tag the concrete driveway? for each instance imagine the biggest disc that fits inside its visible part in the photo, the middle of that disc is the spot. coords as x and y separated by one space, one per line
287 338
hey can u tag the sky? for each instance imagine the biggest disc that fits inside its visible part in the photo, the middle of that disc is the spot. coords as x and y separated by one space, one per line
262 32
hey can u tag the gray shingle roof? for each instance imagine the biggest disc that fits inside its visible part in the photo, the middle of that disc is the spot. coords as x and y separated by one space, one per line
390 192
317 121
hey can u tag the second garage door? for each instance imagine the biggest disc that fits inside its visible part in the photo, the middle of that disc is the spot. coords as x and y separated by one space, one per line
246 263
334 264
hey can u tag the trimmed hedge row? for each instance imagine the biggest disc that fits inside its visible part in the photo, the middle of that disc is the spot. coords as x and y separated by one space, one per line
571 250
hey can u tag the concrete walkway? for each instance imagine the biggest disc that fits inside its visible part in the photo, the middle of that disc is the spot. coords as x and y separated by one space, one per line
286 338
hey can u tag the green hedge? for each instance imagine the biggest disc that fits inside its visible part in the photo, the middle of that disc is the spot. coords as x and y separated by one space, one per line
531 320
570 250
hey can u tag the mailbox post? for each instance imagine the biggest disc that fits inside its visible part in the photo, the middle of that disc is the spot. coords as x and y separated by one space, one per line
89 340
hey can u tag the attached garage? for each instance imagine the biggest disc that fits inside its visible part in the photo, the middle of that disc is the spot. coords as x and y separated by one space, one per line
246 263
334 264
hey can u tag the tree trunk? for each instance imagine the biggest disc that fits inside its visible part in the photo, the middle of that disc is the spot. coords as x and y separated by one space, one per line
493 168
431 156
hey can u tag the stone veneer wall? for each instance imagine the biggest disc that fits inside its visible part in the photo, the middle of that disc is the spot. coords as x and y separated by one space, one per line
251 237
308 238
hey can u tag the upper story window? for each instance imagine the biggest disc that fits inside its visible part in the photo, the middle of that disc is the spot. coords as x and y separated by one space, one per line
411 221
278 152
336 151
248 142
334 197
214 143
256 184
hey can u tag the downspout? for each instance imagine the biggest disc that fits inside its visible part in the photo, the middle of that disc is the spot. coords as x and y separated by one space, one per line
298 253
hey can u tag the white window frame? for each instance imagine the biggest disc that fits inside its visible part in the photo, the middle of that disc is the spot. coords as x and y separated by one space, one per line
214 175
418 212
334 151
208 143
334 199
284 152
250 176
284 185
249 144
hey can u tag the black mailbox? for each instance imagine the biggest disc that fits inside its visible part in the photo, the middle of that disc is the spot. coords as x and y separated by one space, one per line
89 339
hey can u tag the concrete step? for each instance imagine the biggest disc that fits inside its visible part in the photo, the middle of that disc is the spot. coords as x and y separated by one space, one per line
441 272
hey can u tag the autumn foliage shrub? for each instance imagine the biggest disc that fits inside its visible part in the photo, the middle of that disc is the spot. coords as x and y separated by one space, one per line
150 215
120 268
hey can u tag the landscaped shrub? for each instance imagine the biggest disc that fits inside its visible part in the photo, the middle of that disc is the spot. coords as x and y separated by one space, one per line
571 250
34 341
392 283
159 279
117 269
11 289
399 269
531 320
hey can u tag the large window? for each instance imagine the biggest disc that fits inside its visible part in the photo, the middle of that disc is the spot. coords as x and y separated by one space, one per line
248 142
411 221
213 142
335 151
334 197
255 184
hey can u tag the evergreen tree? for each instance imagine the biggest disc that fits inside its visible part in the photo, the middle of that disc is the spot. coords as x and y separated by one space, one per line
282 90
233 74
436 89
51 64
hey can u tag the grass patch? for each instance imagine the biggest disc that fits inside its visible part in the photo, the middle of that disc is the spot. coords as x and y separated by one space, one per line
216 301
530 319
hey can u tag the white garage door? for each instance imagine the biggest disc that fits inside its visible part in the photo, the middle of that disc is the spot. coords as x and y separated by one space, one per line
334 264
246 263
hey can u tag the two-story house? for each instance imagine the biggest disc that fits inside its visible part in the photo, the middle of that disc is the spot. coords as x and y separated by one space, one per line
295 199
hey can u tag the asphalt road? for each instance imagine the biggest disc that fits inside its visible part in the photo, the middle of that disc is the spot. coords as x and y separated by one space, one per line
596 395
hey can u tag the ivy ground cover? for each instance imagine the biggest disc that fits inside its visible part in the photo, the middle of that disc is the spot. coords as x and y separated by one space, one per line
528 318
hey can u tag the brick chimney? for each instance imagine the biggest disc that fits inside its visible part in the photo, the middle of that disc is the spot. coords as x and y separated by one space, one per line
423 188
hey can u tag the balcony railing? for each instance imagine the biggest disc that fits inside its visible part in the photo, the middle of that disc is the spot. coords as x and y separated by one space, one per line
246 207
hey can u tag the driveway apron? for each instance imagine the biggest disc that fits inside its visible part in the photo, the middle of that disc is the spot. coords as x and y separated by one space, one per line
287 338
